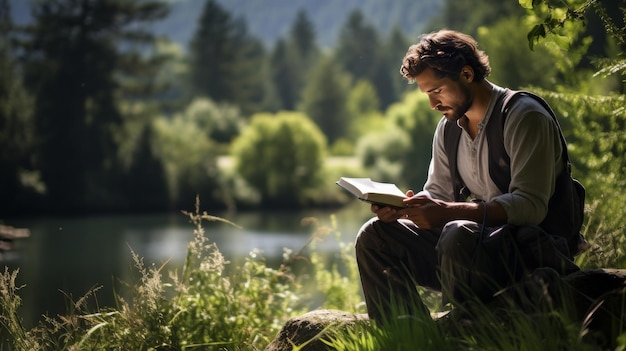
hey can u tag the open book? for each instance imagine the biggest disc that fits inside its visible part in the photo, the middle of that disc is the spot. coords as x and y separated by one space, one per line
384 194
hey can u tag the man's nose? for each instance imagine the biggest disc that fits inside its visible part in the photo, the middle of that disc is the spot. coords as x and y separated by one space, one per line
435 104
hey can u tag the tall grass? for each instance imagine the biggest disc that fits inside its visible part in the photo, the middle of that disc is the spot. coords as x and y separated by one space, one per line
206 306
211 305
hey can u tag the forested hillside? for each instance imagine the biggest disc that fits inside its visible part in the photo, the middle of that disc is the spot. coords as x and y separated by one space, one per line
270 20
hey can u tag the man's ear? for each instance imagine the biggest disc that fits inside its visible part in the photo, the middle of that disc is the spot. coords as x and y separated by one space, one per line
467 73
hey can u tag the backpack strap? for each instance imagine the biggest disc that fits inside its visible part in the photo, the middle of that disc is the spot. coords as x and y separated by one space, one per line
451 137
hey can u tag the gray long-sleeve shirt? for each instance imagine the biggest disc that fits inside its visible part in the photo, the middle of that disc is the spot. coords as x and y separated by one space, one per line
532 141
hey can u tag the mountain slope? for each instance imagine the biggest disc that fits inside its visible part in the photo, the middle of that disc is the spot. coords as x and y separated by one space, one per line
270 20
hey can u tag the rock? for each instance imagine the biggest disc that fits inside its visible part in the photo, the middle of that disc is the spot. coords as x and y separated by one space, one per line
307 329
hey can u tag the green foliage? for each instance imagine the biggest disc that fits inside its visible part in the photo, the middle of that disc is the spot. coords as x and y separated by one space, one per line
512 63
342 147
145 175
221 122
557 18
400 151
358 46
382 153
187 154
392 50
337 280
594 123
597 145
16 125
208 305
271 20
361 54
403 333
469 16
291 59
281 156
324 98
363 99
363 110
74 64
225 60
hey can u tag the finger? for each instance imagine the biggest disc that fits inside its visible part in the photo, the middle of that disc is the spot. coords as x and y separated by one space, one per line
388 214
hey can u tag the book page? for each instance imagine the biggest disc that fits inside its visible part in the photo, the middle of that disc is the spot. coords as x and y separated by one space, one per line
373 192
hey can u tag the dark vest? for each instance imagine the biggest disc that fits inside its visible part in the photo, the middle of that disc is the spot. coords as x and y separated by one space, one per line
566 206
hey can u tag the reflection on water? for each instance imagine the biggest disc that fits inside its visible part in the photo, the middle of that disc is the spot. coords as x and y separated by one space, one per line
71 255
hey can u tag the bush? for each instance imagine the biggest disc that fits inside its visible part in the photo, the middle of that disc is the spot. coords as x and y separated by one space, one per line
281 156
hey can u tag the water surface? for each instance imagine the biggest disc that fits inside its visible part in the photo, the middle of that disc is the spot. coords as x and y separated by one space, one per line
65 257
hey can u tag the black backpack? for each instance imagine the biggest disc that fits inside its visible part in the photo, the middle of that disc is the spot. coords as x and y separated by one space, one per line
566 206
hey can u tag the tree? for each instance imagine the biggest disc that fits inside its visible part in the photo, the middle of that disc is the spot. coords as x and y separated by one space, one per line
291 60
281 156
512 63
357 48
363 110
468 16
325 97
281 73
303 39
392 51
225 61
188 156
75 53
16 132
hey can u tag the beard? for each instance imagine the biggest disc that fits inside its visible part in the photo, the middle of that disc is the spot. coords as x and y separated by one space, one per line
459 111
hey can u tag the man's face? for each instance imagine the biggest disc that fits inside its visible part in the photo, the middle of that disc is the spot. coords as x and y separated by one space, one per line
451 98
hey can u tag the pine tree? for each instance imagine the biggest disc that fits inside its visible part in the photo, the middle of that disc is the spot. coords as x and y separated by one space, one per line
358 46
303 38
281 73
16 133
226 62
360 53
76 53
292 59
324 99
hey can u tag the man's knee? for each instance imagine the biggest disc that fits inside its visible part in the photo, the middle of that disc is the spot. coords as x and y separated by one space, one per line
366 236
457 237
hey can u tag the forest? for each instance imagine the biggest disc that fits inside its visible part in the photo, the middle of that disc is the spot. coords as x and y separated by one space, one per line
100 114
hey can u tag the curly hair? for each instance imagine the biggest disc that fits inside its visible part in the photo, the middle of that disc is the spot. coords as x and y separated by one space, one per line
445 52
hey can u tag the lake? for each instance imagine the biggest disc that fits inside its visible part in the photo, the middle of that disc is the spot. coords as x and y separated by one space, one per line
67 256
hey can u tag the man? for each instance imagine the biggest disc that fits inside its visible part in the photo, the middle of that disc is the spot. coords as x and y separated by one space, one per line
466 249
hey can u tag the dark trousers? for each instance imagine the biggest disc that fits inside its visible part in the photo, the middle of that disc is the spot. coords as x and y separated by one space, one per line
459 260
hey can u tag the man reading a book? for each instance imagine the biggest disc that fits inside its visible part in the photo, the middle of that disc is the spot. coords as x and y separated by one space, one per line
469 233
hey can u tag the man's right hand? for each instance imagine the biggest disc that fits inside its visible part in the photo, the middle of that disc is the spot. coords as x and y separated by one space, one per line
389 214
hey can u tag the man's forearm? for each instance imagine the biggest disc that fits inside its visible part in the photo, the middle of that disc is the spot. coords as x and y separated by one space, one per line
491 213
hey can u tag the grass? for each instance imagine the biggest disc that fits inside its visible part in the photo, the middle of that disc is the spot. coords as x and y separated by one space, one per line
210 305
206 306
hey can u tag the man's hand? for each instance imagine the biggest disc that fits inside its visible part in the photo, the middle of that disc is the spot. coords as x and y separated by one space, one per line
389 213
426 212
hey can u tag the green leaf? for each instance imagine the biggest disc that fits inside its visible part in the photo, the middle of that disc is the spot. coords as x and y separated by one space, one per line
533 36
527 4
